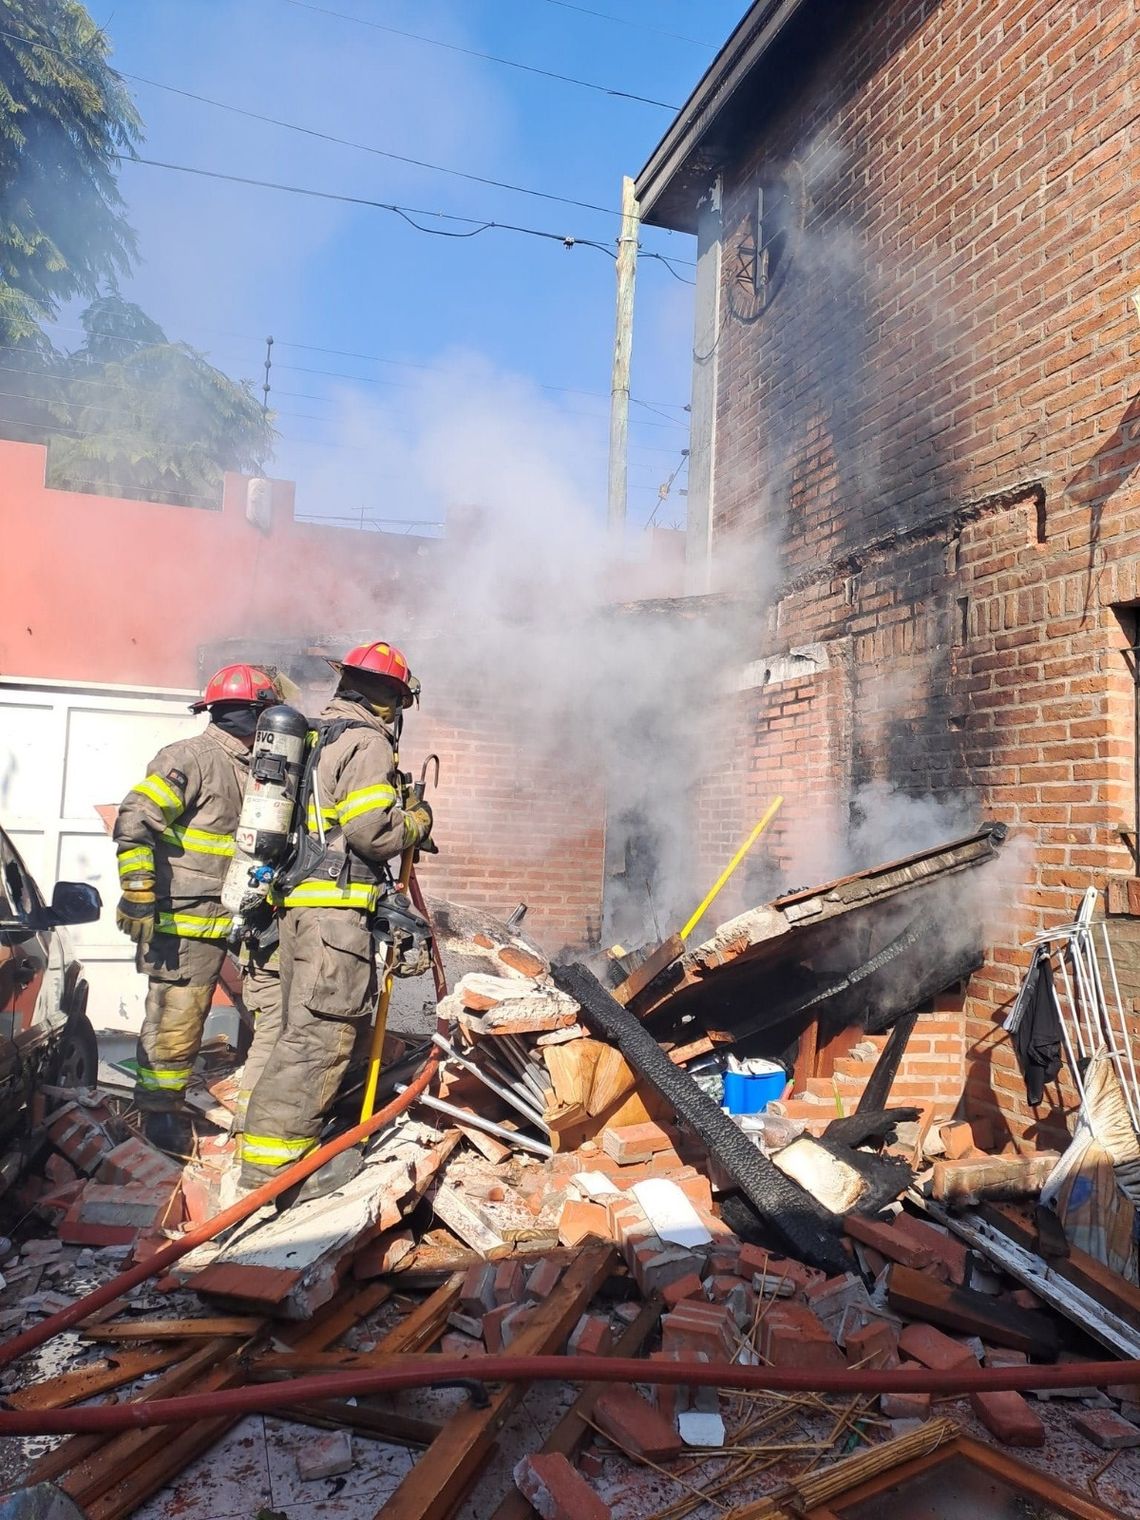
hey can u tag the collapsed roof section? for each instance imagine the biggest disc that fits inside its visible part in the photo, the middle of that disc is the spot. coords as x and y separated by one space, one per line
865 948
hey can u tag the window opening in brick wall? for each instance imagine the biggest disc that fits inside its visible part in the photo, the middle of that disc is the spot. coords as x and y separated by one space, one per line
963 620
1128 616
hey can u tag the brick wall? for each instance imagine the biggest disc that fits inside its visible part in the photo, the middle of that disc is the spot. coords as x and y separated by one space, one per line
936 422
514 824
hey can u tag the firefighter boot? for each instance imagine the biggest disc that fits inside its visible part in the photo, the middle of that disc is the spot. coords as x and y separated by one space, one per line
333 1175
170 1130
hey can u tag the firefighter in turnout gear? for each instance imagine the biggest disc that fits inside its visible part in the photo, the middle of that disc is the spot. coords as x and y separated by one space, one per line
175 839
354 825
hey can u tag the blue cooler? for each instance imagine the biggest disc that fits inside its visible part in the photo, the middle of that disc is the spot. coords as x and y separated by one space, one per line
750 1093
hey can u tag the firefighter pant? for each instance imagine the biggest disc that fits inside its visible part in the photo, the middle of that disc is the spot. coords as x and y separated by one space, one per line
328 984
182 975
261 994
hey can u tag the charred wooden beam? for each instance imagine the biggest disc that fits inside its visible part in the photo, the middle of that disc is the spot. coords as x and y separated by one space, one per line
802 1225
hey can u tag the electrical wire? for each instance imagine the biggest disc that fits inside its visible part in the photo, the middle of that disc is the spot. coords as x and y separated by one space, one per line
406 212
343 142
640 26
455 47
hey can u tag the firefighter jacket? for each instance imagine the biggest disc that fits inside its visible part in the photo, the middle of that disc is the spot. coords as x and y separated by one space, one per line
175 832
356 786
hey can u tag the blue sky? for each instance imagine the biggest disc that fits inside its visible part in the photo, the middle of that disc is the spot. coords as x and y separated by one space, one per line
498 314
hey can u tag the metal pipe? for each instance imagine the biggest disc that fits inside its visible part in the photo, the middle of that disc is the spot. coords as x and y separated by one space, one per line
433 1370
506 1093
477 1121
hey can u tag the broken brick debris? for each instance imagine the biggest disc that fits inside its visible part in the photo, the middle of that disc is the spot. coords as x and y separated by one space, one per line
555 1491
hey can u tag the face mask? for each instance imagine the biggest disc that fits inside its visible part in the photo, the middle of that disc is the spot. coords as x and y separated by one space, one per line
239 721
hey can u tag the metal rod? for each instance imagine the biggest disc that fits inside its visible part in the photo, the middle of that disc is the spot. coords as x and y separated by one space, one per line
507 1095
488 1126
1072 1004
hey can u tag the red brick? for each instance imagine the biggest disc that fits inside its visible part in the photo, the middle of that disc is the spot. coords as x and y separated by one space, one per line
477 1293
555 1491
59 1171
682 1287
493 1326
754 1261
1106 1429
635 1426
635 1142
510 1281
905 1406
201 1187
1008 1417
697 1327
958 1140
522 960
591 1336
948 1250
543 1279
581 1221
80 1138
697 1189
513 1323
933 1349
791 1336
888 1241
874 1345
455 1344
138 1207
137 1162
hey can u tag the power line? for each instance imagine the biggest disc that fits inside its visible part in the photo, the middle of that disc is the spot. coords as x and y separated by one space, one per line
511 63
343 142
405 212
640 26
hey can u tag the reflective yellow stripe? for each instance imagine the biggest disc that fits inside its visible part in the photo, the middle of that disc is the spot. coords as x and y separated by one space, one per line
365 799
272 1150
137 861
162 794
163 1078
200 841
326 894
328 818
195 925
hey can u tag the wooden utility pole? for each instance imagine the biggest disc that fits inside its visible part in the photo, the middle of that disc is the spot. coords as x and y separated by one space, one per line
623 345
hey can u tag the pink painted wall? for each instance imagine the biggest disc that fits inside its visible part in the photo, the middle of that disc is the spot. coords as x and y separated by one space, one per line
102 589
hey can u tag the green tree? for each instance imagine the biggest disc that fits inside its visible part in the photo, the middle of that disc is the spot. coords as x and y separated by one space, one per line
136 415
65 119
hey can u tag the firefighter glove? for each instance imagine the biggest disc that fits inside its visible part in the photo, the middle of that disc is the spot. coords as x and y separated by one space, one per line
417 822
135 915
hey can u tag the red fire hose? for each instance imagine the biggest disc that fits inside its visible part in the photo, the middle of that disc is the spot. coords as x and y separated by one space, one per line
28 1340
434 1370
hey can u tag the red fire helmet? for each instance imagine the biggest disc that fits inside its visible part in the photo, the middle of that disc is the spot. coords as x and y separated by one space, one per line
380 660
238 683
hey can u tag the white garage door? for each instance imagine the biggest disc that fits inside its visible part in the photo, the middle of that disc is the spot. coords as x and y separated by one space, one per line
66 750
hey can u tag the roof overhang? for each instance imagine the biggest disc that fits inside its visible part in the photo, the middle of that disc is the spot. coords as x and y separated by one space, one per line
738 86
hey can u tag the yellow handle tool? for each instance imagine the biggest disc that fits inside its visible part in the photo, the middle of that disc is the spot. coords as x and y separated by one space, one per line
717 886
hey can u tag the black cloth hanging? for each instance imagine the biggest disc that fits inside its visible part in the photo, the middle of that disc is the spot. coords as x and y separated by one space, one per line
1037 1038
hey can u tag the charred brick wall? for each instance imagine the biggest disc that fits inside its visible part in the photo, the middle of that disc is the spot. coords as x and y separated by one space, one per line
931 411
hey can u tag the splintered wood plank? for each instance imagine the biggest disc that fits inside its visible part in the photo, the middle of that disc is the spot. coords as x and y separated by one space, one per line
133 1467
571 1068
171 1329
917 1296
574 1429
614 1079
666 953
77 1449
437 1483
365 1419
97 1377
1100 1282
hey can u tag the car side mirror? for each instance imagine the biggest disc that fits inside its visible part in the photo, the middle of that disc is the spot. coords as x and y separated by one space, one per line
72 902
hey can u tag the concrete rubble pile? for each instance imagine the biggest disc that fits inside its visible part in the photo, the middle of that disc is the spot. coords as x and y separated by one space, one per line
550 1197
